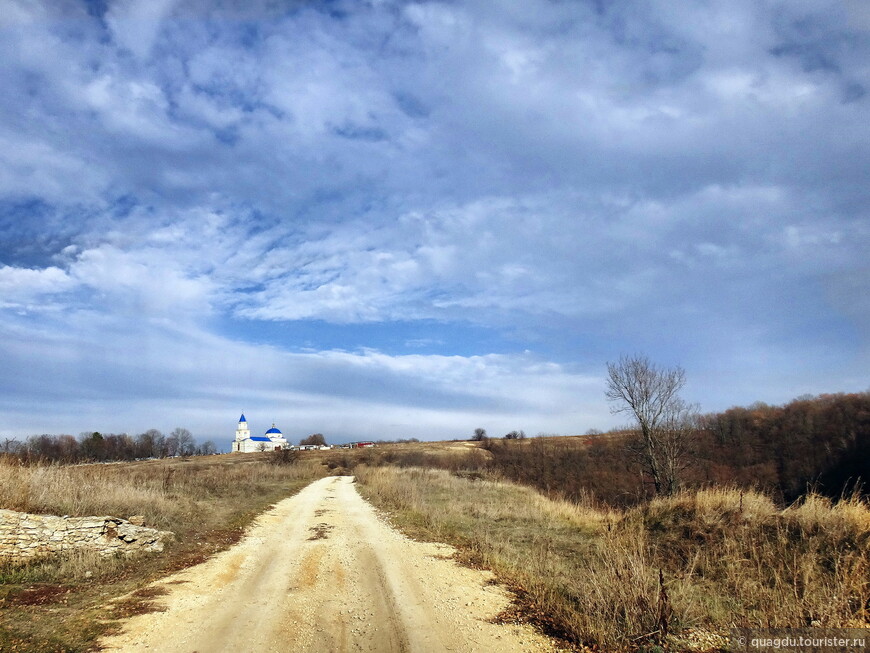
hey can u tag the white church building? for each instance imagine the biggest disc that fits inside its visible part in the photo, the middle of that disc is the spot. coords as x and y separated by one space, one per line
247 443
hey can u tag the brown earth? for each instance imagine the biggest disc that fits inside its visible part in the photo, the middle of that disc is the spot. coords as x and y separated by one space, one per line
322 571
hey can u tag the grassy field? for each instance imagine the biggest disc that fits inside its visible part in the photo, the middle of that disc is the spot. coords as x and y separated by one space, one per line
689 566
58 604
632 578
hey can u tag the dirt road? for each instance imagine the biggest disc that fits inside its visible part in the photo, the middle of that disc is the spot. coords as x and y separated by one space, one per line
321 571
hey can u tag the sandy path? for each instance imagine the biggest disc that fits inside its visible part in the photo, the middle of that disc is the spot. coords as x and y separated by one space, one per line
321 571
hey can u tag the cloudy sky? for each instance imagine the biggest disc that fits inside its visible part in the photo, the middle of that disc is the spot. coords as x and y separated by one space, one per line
377 218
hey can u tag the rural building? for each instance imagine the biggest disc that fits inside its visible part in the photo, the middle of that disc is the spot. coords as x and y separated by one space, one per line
246 443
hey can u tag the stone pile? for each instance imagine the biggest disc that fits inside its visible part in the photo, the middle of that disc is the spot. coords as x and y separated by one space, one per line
24 536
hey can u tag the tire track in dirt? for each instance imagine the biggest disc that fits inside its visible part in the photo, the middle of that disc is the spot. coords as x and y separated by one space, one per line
321 571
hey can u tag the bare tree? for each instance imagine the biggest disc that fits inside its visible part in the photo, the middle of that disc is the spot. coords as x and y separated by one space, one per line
150 444
158 443
479 435
10 445
314 438
170 445
183 441
651 394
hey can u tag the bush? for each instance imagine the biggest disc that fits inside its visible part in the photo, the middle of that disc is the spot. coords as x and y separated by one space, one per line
284 457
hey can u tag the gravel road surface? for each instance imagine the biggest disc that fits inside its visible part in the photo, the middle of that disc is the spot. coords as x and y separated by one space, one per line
321 571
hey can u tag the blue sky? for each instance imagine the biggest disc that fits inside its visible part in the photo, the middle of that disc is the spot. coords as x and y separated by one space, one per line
410 219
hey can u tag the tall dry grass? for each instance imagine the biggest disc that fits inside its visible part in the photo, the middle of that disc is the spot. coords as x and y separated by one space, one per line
541 546
714 558
168 493
753 565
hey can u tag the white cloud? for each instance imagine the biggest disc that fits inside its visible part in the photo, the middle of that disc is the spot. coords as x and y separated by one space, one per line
34 168
580 180
147 281
21 286
85 363
136 23
803 236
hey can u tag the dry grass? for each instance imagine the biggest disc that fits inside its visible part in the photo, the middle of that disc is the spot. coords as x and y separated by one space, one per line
207 502
752 565
540 546
166 492
728 558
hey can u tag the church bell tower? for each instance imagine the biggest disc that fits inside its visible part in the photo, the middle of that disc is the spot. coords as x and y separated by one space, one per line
242 431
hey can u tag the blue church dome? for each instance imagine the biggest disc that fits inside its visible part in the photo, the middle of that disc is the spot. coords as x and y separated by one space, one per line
242 418
273 431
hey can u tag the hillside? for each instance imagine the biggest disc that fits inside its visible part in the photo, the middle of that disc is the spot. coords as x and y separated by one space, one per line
567 522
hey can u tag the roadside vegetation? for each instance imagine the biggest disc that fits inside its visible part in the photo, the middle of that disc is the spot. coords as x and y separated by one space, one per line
681 526
57 604
819 444
755 517
677 571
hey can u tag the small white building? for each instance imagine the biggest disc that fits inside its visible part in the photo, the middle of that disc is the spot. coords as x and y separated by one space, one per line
246 443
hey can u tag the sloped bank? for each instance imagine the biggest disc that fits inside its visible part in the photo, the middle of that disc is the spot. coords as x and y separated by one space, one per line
677 572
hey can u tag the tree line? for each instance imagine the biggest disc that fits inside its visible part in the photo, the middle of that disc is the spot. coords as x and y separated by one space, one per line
819 443
93 446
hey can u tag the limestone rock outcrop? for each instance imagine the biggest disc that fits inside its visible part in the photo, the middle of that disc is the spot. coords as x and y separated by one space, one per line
24 536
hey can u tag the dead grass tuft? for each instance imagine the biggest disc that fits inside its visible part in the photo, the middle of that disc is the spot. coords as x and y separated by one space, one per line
750 565
712 506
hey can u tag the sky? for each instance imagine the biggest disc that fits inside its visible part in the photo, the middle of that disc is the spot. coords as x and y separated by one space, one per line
388 219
